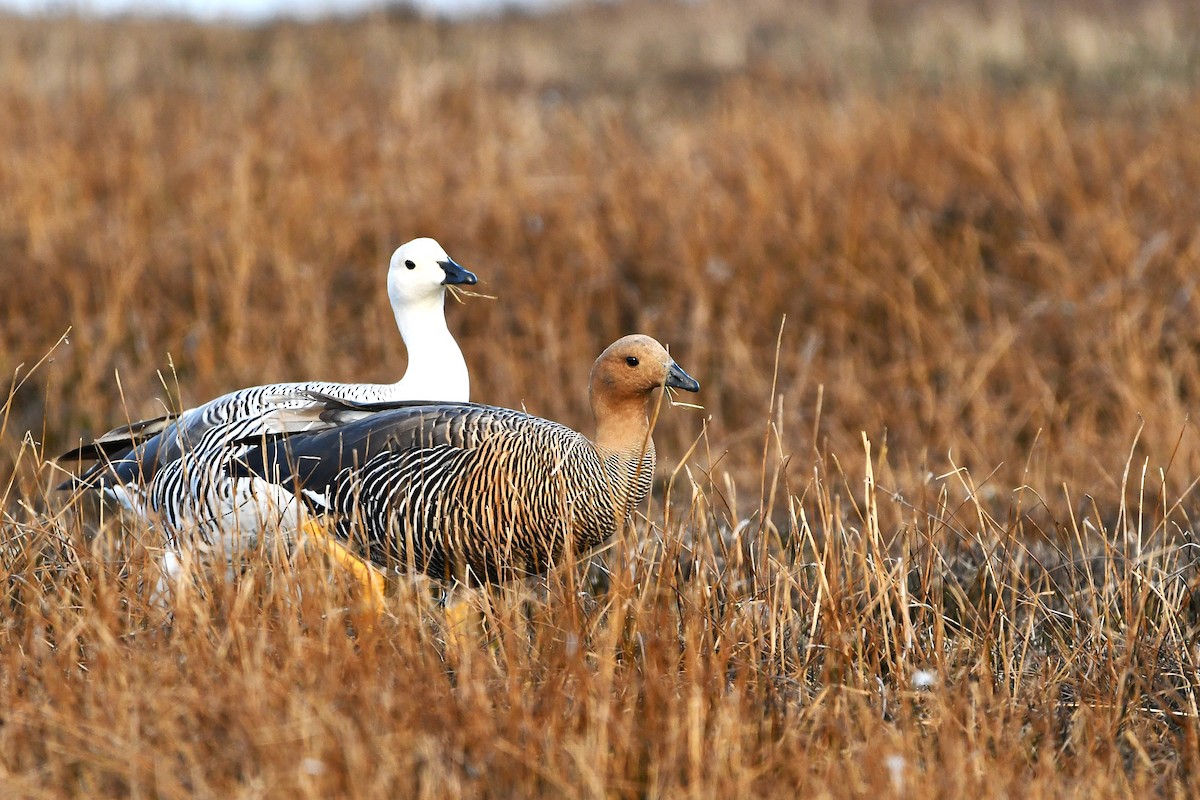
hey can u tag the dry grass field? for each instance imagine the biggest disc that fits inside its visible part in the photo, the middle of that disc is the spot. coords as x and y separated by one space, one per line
933 535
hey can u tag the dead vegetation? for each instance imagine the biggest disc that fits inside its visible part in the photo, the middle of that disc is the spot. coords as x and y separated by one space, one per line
934 538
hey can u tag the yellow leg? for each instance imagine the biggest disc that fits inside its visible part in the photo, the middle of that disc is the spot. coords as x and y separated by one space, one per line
461 621
464 626
370 579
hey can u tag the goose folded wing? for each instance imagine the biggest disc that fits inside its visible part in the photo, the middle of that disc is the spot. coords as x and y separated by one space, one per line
309 410
350 435
142 457
119 441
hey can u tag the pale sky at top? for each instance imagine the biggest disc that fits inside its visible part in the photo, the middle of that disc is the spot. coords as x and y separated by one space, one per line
253 10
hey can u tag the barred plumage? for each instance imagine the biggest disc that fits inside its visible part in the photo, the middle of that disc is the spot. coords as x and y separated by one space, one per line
172 468
473 492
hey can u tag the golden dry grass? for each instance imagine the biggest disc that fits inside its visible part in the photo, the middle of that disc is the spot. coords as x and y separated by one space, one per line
938 541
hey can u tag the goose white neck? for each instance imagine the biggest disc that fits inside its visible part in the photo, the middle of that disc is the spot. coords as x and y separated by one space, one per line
436 368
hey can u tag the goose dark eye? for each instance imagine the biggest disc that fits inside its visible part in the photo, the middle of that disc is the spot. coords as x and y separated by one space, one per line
631 361
410 264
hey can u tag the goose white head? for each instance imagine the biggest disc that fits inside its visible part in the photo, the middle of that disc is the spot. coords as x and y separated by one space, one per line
418 275
421 270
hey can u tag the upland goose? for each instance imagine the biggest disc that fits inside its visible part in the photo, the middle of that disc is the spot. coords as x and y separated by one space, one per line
171 469
474 492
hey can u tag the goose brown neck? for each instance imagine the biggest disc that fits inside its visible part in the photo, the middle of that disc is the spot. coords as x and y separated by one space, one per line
622 423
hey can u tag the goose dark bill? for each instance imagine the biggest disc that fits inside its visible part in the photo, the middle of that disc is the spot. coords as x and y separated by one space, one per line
678 379
456 274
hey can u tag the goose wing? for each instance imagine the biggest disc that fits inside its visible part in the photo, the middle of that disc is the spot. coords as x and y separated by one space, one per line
134 453
146 446
119 441
348 435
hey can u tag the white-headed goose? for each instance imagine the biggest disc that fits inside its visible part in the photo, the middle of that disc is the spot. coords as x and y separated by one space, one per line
171 469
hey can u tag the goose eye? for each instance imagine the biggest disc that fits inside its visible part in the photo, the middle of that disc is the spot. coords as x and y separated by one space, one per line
631 361
410 264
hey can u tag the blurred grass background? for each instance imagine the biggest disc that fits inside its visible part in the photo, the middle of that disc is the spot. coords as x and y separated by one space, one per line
980 220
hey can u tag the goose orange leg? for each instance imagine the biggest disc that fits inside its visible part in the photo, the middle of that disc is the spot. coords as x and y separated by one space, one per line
368 577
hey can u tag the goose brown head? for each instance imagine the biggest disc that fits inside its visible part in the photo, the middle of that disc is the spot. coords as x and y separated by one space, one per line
623 381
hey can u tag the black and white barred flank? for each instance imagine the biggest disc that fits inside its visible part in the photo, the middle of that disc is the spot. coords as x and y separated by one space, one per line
173 467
